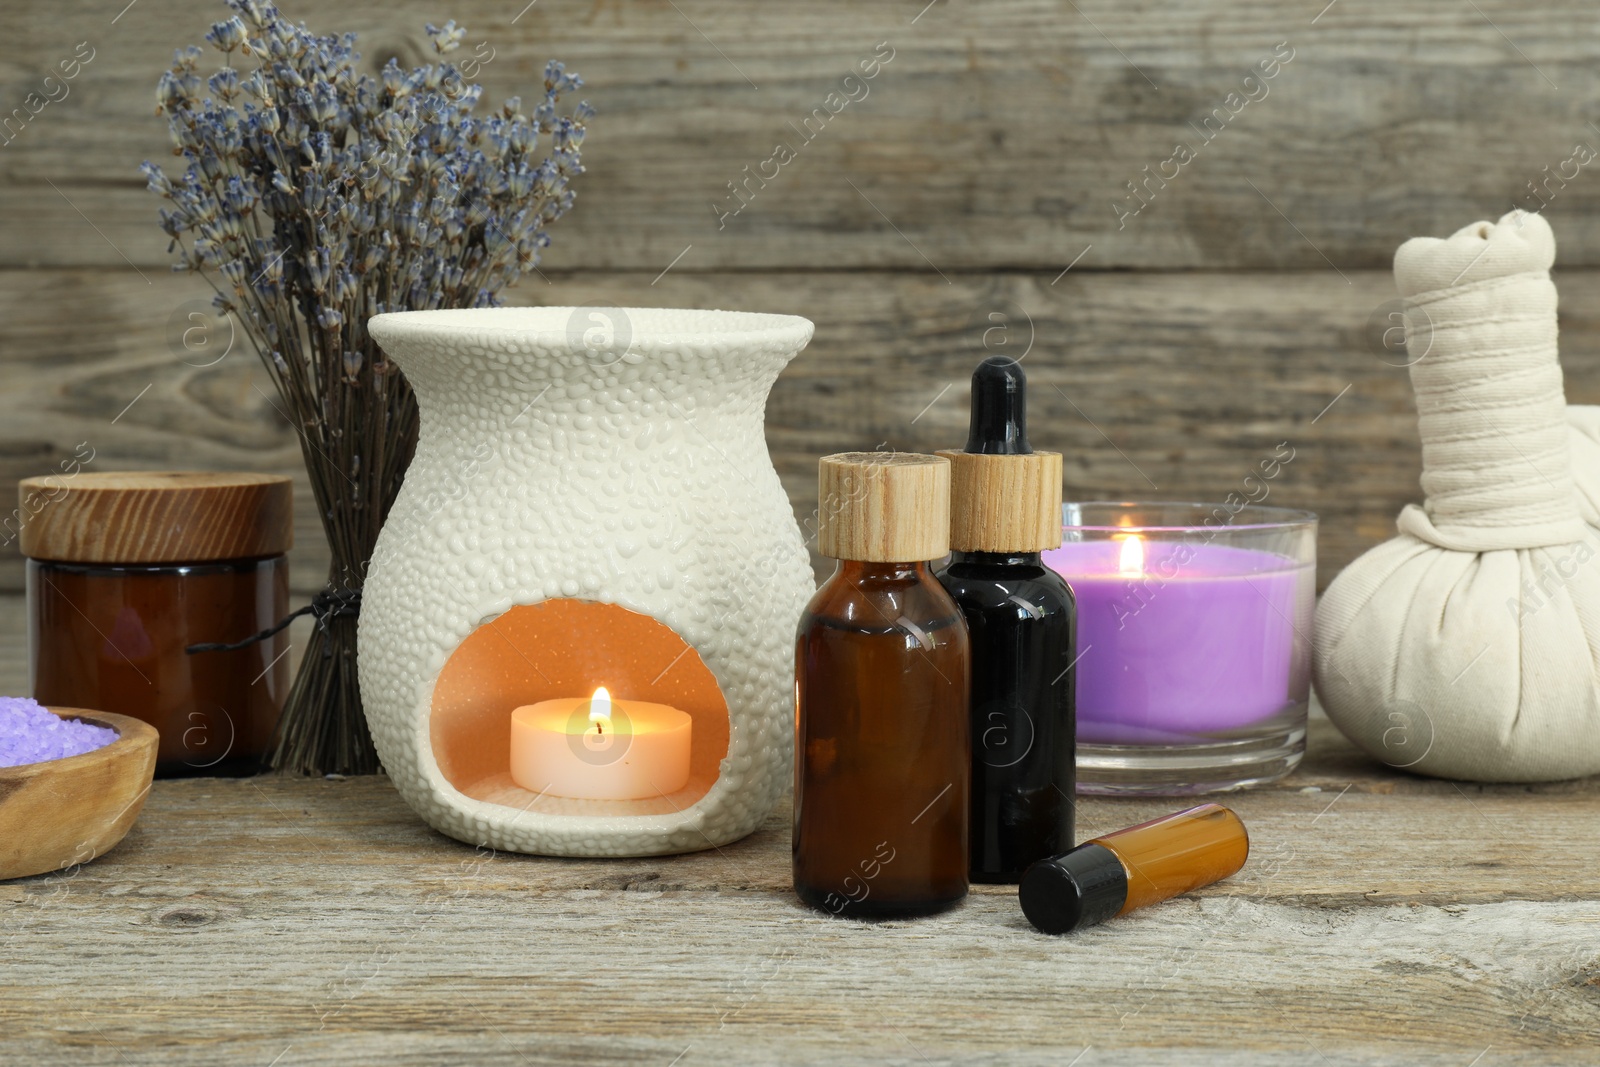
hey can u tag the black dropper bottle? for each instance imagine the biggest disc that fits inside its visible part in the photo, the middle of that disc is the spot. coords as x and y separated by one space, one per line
1022 621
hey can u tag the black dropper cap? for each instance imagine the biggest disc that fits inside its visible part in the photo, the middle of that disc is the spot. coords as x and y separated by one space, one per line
999 424
1079 888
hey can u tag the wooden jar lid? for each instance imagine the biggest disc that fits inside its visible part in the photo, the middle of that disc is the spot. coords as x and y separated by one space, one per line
883 507
1002 503
155 516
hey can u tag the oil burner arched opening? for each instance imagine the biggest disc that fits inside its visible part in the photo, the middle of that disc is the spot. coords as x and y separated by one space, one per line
566 648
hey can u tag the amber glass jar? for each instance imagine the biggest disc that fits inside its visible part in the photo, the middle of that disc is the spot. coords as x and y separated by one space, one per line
882 742
127 570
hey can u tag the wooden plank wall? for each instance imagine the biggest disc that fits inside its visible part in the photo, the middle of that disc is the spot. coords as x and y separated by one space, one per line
989 154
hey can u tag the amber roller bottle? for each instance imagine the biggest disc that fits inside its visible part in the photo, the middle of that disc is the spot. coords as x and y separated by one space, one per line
1144 864
881 682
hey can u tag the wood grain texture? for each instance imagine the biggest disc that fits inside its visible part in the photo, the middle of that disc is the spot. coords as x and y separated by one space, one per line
13 646
154 516
1002 133
1383 919
65 812
1380 920
883 507
1004 503
1151 386
999 136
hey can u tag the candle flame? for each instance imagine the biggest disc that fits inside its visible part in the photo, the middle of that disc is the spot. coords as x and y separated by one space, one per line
1131 561
600 709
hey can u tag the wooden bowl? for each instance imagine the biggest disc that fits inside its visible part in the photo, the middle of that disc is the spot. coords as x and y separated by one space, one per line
65 811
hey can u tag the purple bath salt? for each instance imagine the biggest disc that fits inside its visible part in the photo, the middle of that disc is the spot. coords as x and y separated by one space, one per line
30 734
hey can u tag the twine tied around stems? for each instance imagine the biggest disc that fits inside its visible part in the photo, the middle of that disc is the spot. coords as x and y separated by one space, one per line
327 604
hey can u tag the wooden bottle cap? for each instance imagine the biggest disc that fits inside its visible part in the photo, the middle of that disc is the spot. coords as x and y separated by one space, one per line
155 516
1004 503
883 507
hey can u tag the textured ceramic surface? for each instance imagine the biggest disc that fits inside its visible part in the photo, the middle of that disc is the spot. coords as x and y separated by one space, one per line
613 455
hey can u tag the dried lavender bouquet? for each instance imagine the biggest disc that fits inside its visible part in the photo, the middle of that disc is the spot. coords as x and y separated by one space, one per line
314 196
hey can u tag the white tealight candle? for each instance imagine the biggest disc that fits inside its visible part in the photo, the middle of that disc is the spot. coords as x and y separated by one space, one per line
596 748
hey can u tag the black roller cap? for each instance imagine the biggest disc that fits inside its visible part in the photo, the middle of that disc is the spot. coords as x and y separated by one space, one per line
999 424
1080 888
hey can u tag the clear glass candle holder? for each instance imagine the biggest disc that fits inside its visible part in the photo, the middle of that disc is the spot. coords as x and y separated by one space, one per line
1194 643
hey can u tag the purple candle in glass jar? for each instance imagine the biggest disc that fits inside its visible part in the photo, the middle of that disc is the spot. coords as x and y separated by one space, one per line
1172 649
1193 648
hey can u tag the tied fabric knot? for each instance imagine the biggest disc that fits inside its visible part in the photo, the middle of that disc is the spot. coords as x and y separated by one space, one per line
325 605
1491 409
1468 647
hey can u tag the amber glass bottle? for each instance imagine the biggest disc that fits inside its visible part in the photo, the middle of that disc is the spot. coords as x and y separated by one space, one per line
882 748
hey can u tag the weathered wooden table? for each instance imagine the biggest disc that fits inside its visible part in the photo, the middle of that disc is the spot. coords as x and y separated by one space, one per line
1381 919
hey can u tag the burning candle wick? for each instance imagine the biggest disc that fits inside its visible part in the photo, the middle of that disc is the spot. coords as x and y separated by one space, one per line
1131 559
600 710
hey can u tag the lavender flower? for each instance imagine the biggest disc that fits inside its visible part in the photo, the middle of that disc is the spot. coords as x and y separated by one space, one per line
426 204
312 197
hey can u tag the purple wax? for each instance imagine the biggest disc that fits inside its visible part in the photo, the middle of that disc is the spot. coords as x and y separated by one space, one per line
1191 642
31 734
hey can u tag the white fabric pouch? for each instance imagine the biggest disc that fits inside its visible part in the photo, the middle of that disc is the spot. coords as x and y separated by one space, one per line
1469 646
